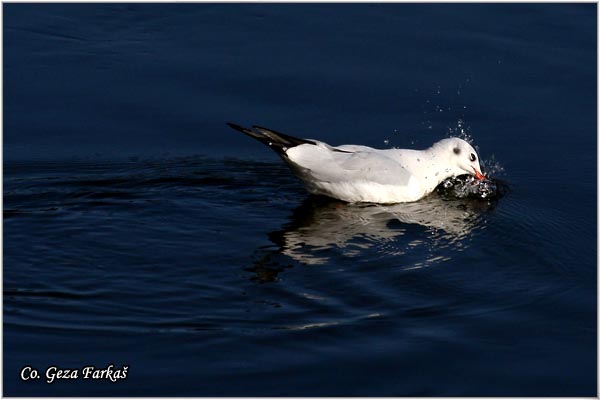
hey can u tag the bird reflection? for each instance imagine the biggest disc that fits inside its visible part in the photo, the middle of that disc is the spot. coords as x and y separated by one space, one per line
322 228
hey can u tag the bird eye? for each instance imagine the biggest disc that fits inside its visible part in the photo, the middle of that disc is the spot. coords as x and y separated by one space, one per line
456 150
473 157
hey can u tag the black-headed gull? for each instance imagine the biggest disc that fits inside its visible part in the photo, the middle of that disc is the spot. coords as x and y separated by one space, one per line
358 174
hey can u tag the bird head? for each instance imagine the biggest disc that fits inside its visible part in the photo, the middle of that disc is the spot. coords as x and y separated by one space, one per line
462 157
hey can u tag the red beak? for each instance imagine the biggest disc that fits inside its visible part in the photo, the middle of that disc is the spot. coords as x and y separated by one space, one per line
478 174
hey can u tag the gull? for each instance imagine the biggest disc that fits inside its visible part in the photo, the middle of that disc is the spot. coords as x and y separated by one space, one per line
361 174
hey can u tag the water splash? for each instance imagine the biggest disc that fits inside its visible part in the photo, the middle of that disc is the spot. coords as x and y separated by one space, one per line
492 167
467 186
461 130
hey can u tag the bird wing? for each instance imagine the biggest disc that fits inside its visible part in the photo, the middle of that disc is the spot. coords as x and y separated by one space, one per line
328 164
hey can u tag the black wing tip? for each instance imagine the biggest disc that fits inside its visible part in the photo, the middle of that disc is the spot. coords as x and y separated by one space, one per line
236 126
274 131
291 140
242 129
275 140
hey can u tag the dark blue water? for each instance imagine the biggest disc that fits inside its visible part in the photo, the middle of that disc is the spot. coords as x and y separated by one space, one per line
140 230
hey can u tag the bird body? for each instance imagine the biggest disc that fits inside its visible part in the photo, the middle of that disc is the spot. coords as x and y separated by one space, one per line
357 174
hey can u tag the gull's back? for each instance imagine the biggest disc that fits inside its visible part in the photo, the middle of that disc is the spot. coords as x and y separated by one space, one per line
355 173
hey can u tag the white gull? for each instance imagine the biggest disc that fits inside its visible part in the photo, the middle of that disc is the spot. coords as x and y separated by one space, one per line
361 174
